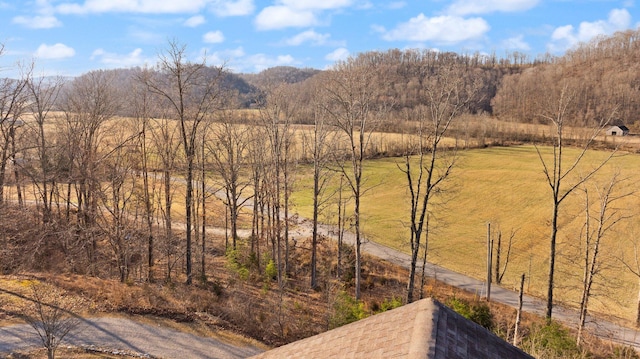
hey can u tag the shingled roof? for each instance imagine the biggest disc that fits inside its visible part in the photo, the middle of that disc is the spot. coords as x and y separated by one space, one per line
423 329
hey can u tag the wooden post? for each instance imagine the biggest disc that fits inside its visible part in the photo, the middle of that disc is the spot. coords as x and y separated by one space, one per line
489 261
515 331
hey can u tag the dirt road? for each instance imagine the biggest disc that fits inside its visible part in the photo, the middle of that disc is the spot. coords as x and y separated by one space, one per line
130 336
602 328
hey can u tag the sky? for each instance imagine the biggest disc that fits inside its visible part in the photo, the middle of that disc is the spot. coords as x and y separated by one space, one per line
71 37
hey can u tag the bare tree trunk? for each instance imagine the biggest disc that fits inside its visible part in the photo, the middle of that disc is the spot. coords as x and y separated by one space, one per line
519 312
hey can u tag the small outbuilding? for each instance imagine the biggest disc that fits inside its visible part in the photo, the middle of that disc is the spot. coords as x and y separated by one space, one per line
620 130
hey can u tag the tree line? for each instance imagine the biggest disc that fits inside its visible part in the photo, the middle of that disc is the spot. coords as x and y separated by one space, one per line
106 158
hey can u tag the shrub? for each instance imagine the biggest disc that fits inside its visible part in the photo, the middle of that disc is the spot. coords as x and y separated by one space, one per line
346 309
271 270
478 312
235 266
389 304
551 341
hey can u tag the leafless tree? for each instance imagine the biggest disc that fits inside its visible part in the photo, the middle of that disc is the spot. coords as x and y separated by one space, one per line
276 115
142 107
229 150
319 142
13 100
556 111
190 92
353 103
596 227
44 93
88 103
50 314
427 161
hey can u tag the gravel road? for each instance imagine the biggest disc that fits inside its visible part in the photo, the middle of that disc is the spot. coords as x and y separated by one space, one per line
602 328
129 336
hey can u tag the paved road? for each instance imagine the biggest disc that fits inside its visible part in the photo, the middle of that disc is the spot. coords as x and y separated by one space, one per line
603 328
129 336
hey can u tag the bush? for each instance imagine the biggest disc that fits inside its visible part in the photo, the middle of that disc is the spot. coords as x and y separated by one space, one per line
389 304
551 341
346 309
478 312
235 266
271 270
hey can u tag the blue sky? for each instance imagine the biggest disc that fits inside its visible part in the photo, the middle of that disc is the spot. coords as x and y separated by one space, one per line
70 37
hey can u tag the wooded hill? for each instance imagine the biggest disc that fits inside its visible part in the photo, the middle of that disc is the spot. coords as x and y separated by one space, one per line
603 76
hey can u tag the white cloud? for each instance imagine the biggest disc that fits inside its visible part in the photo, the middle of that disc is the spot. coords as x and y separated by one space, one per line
396 5
315 4
56 51
278 17
565 37
134 6
439 29
468 7
232 8
337 54
259 62
213 37
37 22
308 36
195 21
296 13
113 60
516 43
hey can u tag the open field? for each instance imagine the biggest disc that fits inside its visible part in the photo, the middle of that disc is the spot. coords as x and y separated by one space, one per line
501 185
504 186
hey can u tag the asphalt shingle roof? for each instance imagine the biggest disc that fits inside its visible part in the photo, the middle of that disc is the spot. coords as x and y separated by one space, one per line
423 329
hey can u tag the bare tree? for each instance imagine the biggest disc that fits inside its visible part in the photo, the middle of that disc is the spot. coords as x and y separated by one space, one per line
13 99
353 103
88 103
276 115
116 196
557 110
190 92
320 148
427 162
43 93
596 227
501 269
50 314
142 107
229 151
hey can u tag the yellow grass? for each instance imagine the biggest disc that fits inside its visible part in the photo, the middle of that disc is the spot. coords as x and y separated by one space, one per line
507 188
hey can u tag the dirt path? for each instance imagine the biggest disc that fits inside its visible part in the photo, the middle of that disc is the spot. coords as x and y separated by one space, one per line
126 335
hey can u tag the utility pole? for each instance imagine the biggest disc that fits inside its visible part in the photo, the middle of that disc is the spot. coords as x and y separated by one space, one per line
489 261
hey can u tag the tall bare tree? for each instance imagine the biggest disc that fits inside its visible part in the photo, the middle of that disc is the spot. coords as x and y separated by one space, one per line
13 99
43 93
557 110
229 151
276 115
88 103
142 108
597 225
427 161
191 93
354 105
319 144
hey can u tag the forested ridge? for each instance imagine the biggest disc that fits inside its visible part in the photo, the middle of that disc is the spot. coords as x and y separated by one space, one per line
130 174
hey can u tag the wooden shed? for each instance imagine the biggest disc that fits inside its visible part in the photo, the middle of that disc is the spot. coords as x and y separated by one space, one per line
617 131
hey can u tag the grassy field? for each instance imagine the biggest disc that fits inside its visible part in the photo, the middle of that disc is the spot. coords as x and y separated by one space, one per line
505 186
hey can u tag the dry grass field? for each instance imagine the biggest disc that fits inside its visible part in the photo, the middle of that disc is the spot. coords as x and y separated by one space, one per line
505 186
